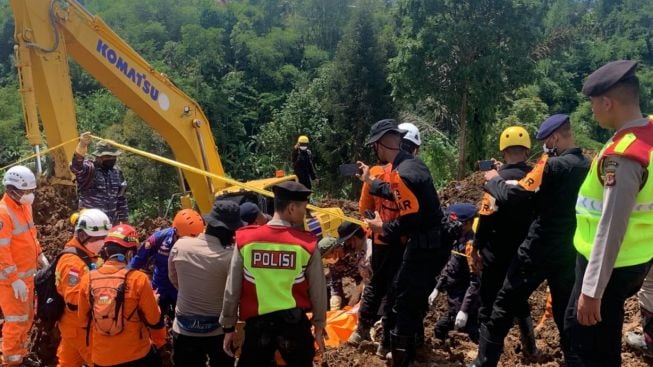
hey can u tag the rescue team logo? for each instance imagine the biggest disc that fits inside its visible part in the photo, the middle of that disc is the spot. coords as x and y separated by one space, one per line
273 259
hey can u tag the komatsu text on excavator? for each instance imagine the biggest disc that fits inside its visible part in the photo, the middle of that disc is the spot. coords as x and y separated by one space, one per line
48 33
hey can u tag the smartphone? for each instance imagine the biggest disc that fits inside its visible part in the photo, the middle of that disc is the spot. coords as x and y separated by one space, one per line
348 169
486 165
369 214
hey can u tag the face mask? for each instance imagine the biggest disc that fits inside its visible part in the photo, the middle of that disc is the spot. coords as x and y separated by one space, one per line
108 164
27 199
94 246
303 148
551 151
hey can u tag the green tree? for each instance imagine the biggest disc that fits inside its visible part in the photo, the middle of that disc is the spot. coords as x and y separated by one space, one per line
463 55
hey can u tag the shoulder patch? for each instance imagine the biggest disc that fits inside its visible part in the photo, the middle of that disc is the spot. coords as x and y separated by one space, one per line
608 171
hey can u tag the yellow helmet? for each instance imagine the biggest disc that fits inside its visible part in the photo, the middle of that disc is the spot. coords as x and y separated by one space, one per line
303 139
73 218
514 136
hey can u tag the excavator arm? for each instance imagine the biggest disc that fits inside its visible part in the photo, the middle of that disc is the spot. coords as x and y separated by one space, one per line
48 32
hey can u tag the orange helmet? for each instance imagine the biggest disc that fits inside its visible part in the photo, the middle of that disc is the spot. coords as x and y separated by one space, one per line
188 222
123 235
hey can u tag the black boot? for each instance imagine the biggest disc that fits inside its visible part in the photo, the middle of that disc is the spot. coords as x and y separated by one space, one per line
489 352
403 350
528 345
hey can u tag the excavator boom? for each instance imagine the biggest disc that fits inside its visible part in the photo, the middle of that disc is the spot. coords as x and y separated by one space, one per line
48 32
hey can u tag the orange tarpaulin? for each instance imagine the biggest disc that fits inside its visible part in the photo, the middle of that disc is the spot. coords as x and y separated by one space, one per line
340 325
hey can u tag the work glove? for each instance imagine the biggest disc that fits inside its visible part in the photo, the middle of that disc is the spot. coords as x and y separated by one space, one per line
335 302
43 260
84 142
461 320
20 290
433 296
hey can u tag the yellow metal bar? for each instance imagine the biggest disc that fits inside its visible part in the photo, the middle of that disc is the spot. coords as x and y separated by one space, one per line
223 179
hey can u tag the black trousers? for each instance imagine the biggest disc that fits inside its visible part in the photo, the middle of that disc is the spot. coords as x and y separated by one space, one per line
413 284
600 345
527 271
386 260
493 275
289 332
195 351
446 322
152 359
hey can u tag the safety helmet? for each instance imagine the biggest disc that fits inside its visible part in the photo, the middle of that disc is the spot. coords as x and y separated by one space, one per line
412 133
93 222
20 177
303 139
123 235
514 136
188 222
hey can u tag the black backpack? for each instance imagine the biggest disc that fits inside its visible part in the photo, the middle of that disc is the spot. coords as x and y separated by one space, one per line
50 304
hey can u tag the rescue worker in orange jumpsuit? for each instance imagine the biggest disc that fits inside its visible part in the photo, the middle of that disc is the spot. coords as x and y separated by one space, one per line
131 346
91 228
19 252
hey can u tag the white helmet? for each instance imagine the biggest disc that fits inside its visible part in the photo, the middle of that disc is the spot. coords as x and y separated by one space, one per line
412 134
20 177
93 222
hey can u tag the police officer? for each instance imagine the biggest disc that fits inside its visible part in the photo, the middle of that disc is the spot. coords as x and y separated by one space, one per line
501 231
547 252
275 278
615 218
100 184
411 186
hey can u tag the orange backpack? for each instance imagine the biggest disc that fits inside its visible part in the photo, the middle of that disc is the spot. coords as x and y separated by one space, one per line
107 299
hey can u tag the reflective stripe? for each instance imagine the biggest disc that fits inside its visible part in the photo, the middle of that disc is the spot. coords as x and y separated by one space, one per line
591 206
20 318
8 270
625 142
27 274
5 241
18 229
248 276
13 358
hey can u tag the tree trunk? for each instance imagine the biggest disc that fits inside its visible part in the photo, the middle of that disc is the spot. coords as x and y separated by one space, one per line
462 136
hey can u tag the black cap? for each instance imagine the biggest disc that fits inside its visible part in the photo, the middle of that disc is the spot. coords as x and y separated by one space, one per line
346 230
383 127
291 191
550 125
225 214
249 212
605 77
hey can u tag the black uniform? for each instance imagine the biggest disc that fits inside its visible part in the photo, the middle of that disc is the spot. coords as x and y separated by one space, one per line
462 287
303 166
497 238
547 253
412 188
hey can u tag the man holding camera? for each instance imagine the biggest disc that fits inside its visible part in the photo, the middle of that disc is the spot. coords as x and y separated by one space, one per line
547 253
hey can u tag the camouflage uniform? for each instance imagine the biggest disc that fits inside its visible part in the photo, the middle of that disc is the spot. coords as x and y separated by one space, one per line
100 188
354 265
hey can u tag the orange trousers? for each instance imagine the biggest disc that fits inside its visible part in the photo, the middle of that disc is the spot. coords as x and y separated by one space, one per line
18 322
72 350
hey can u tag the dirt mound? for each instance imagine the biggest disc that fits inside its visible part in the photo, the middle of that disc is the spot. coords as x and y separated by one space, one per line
350 208
460 351
467 190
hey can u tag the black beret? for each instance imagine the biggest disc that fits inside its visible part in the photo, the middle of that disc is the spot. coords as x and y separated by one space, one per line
605 77
550 125
291 191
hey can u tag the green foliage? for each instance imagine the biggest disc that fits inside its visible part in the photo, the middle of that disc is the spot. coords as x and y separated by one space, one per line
266 71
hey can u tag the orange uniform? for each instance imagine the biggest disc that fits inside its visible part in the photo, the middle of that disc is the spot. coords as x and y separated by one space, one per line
140 311
72 350
19 250
387 208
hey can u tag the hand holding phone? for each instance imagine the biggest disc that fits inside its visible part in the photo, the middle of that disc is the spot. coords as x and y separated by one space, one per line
486 165
348 169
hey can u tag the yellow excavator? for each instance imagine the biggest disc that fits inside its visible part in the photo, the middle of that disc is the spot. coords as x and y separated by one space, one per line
49 32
